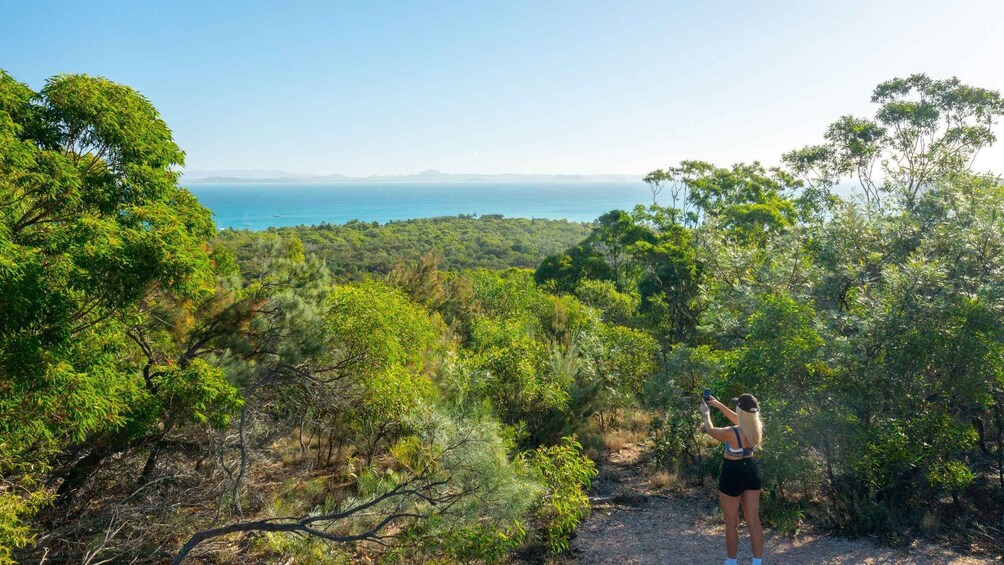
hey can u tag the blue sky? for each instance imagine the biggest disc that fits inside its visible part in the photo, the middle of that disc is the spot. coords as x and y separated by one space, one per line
529 87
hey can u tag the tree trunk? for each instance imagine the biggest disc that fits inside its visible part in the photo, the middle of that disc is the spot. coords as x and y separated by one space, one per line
981 432
78 475
1000 442
151 462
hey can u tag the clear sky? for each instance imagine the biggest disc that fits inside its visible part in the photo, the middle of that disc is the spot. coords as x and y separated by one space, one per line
502 86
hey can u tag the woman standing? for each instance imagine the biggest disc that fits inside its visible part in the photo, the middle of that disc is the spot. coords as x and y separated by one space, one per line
739 481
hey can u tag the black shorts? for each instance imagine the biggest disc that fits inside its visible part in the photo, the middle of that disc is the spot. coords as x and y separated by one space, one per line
739 475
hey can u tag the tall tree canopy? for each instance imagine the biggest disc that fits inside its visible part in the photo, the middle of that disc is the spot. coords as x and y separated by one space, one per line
92 223
924 131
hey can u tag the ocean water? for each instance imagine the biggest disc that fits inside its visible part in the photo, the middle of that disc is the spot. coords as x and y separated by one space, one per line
259 206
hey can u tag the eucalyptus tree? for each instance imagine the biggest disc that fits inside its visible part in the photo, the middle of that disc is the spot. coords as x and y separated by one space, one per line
874 324
93 225
924 130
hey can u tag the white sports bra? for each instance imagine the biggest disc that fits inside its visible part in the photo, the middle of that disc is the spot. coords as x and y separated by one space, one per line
738 451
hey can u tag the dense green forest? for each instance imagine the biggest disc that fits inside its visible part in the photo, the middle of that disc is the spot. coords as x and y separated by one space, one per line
357 248
412 392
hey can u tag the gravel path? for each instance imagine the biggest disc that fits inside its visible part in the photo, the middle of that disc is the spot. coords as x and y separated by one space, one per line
632 523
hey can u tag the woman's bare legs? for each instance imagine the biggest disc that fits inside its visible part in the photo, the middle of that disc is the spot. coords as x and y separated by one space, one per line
751 511
730 508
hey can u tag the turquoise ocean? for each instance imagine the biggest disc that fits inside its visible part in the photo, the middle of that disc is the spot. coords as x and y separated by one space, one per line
257 206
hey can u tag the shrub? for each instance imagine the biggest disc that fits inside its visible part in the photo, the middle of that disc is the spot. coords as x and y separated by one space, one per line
566 474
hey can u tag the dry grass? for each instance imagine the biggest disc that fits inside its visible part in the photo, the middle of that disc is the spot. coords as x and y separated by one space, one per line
631 427
613 431
666 481
662 479
637 421
615 440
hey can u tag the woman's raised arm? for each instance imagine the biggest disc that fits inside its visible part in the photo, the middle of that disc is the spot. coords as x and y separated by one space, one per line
721 434
724 410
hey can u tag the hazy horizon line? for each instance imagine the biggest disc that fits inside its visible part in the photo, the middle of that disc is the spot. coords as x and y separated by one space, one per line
278 175
423 171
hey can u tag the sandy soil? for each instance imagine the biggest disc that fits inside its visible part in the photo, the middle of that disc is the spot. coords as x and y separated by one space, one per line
633 523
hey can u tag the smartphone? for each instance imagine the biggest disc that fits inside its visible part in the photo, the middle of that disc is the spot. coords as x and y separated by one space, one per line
707 395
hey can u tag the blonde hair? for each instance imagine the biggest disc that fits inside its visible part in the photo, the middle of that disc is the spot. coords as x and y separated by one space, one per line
751 425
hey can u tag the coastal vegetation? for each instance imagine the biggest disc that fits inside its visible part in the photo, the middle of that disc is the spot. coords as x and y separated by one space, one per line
438 390
356 249
871 328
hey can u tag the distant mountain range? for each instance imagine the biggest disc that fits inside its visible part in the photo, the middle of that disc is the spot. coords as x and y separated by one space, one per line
431 176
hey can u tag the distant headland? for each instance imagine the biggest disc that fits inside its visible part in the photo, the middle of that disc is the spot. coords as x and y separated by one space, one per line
431 176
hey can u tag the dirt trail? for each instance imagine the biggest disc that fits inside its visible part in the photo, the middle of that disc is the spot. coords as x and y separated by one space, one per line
633 523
